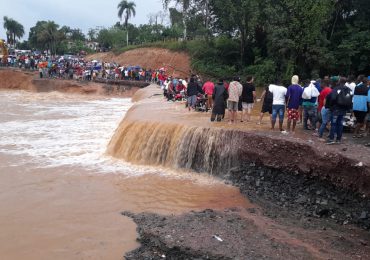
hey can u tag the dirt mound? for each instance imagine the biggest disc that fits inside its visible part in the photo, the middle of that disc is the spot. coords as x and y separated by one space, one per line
240 234
177 63
27 80
14 79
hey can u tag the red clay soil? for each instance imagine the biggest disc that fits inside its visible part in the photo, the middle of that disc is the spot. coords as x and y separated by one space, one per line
177 63
16 79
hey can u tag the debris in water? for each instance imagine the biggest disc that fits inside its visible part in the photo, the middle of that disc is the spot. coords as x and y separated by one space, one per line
218 238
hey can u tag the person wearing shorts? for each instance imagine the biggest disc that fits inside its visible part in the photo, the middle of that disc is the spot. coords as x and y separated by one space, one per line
294 96
235 91
266 105
248 98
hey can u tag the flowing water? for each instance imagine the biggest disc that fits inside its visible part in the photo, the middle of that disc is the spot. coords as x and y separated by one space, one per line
61 195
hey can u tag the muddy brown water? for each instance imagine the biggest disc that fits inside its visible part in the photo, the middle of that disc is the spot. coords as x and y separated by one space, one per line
61 196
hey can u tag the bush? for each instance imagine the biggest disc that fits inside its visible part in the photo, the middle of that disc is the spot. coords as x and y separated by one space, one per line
264 71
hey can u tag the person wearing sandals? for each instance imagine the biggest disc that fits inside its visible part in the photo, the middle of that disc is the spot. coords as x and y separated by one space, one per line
360 104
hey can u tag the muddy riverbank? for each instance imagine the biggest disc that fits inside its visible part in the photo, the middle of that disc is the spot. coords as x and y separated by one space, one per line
304 189
16 79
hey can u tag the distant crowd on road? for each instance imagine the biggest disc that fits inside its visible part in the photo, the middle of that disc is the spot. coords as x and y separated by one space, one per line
78 68
320 105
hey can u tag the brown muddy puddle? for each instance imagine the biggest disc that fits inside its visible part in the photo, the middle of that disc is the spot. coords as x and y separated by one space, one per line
69 213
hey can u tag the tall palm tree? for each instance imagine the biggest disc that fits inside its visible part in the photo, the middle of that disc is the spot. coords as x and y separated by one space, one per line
128 9
13 29
49 34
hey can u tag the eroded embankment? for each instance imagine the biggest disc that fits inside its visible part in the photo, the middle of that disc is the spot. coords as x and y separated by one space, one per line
295 182
16 79
176 63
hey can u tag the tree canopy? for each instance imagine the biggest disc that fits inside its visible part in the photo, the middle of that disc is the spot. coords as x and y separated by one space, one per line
13 29
127 9
266 38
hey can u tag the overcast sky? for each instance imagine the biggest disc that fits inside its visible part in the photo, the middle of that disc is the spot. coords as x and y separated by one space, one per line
83 14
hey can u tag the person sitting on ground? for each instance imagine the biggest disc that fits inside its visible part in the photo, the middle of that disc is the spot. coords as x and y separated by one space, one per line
208 89
180 87
360 104
278 104
248 98
266 99
235 91
219 96
294 96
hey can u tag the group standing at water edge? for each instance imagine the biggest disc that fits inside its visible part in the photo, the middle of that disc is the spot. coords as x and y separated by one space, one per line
319 105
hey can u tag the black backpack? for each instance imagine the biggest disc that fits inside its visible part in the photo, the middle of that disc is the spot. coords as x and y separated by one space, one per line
344 98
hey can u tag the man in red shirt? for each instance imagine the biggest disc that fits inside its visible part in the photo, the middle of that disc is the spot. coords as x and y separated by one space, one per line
208 89
323 94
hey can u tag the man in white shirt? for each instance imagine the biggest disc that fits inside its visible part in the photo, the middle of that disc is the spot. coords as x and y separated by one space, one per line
278 104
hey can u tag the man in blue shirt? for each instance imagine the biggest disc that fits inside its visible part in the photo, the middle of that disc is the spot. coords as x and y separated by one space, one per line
294 96
360 104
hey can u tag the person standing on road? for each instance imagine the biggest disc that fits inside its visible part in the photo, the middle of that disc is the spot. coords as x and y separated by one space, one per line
219 96
341 102
324 107
208 89
267 99
278 104
360 104
192 91
294 96
235 91
248 98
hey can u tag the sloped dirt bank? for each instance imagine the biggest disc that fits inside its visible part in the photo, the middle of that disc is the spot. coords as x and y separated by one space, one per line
241 234
295 217
16 79
176 63
311 200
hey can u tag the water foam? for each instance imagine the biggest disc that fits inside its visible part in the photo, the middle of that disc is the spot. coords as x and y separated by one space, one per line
56 129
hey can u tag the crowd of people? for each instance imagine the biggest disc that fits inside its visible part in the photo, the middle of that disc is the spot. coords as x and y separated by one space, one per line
319 105
76 67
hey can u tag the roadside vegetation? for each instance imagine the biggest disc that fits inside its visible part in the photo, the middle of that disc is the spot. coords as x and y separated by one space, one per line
265 38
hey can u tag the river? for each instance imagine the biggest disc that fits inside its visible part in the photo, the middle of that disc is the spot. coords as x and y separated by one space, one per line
61 196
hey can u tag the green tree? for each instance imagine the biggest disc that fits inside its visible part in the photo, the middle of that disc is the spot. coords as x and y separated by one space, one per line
92 34
185 5
49 35
128 9
13 29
